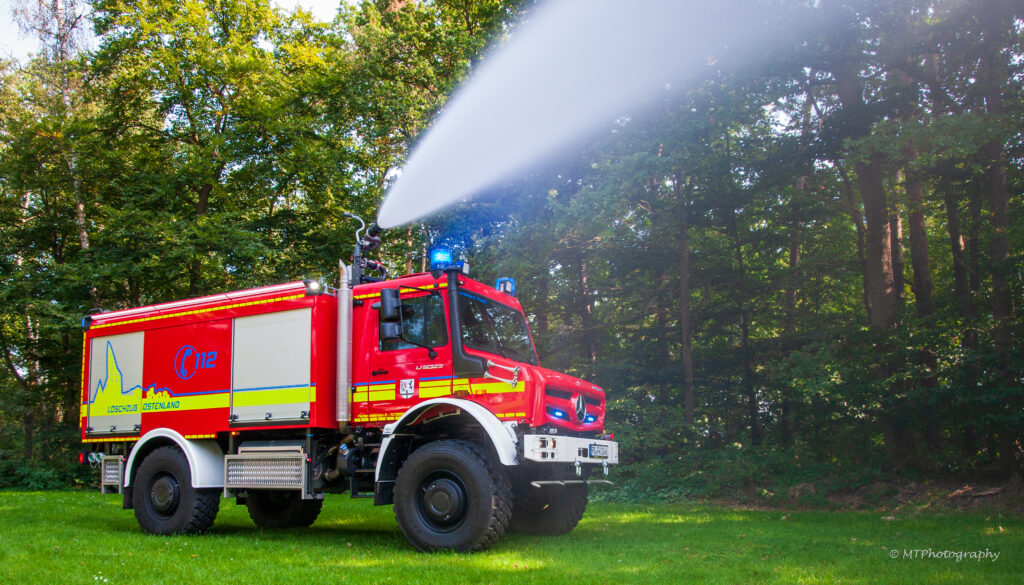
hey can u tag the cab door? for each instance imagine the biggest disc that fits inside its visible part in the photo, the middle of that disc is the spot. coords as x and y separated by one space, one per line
402 372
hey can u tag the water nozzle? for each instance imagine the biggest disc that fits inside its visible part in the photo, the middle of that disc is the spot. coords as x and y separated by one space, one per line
372 239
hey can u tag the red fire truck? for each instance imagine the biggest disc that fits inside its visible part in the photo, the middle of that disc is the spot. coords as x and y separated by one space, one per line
422 391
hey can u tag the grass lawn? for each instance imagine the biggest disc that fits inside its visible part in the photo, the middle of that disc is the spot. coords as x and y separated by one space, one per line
63 538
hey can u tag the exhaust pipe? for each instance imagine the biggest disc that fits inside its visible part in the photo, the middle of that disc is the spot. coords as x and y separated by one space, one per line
344 362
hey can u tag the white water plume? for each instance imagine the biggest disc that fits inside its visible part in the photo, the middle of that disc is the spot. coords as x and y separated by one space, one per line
571 69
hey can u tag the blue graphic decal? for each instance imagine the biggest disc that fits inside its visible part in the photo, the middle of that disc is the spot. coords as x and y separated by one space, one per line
101 384
113 376
188 361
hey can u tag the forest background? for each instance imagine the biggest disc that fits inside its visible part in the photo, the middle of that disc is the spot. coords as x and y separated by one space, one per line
802 269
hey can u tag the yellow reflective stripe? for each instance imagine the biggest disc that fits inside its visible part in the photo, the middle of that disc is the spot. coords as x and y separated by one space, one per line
380 387
378 417
198 311
497 387
161 401
511 414
435 392
382 394
435 383
374 396
377 294
110 440
85 383
207 436
272 396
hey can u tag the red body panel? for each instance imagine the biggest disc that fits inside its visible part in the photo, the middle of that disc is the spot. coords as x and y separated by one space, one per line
182 376
201 364
186 377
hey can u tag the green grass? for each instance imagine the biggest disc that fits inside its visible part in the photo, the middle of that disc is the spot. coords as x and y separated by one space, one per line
59 538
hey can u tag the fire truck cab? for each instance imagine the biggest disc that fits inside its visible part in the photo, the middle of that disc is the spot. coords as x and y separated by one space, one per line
424 392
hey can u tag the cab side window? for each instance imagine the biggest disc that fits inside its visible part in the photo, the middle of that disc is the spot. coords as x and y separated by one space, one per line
424 322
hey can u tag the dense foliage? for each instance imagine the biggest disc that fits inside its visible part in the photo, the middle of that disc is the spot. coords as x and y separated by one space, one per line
797 267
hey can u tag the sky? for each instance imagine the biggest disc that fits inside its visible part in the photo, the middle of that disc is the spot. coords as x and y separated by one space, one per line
15 45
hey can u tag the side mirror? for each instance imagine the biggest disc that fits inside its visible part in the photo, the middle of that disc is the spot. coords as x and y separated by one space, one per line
391 331
390 307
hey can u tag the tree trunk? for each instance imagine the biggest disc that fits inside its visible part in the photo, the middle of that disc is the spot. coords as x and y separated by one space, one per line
999 243
540 308
896 233
922 292
882 296
789 302
974 239
29 428
879 281
664 354
879 273
408 250
965 310
753 405
858 221
689 392
957 250
918 241
586 309
994 73
749 388
195 269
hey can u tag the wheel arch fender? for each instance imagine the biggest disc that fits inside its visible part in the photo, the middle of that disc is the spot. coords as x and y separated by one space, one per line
205 457
502 435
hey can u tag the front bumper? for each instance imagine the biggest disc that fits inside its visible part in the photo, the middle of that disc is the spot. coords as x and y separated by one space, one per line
562 449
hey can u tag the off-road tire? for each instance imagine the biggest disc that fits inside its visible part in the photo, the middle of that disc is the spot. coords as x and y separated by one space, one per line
165 501
281 509
452 495
550 509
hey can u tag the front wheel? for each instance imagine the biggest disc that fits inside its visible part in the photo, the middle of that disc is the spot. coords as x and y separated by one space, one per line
282 509
451 495
165 501
549 509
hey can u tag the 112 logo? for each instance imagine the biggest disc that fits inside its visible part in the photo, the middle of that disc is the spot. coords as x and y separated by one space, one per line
188 361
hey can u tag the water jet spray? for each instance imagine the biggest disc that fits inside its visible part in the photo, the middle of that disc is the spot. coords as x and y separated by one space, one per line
574 68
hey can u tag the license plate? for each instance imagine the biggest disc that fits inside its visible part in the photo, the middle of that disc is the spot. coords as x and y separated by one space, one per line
598 450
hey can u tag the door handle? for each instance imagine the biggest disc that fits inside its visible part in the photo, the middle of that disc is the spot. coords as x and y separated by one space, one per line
378 372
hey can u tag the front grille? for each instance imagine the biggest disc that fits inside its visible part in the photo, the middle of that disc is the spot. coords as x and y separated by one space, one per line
556 393
561 407
566 395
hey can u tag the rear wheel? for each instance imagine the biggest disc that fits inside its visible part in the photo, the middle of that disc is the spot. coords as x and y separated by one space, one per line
451 495
165 501
281 509
550 509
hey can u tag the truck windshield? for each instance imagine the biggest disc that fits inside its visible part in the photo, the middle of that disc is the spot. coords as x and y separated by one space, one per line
495 328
